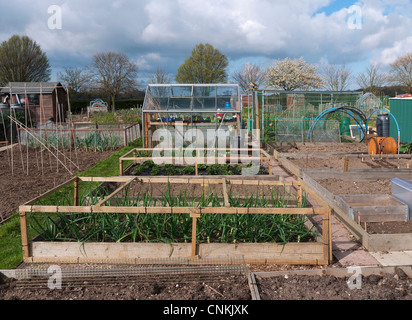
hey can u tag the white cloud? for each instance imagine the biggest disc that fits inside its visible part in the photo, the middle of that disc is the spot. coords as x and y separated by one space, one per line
162 32
398 49
146 62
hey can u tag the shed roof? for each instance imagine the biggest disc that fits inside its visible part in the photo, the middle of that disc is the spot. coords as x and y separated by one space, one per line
31 87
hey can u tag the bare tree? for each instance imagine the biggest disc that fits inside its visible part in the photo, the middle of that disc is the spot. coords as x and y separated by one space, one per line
77 79
336 78
288 74
401 72
113 74
250 73
159 77
372 79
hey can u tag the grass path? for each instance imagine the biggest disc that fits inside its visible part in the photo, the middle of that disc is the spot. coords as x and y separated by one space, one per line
10 239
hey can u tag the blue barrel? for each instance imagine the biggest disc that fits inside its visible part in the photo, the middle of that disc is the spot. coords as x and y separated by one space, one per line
227 105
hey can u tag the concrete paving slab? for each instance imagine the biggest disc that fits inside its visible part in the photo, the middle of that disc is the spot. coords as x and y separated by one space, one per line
393 258
358 257
344 245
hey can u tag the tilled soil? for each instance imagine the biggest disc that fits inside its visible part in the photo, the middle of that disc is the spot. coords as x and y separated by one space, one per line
19 184
337 163
396 286
326 287
325 147
338 186
223 287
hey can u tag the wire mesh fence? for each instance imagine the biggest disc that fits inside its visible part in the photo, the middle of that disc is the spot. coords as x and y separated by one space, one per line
83 136
38 275
304 130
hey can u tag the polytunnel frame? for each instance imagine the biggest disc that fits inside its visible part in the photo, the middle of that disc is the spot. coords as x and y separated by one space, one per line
310 131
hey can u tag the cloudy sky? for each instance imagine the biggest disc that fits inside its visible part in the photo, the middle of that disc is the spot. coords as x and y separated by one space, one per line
163 32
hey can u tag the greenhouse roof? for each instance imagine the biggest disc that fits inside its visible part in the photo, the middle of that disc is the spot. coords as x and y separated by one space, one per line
191 98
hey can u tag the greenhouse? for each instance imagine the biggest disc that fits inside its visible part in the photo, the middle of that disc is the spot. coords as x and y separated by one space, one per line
193 106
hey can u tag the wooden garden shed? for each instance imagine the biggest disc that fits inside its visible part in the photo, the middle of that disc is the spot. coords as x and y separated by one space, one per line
46 101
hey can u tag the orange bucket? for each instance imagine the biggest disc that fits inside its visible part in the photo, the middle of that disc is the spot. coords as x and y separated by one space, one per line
382 145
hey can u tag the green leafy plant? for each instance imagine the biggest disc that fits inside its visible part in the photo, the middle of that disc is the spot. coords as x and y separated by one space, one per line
189 170
406 148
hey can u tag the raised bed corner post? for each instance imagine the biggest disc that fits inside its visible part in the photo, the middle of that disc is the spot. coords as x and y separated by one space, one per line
24 235
120 166
326 235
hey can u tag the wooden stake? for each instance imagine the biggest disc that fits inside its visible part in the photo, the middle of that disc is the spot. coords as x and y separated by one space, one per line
196 169
227 204
346 164
300 195
270 166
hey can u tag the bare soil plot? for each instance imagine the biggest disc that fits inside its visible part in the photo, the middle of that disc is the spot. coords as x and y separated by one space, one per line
338 186
223 287
18 187
306 160
322 147
327 287
335 162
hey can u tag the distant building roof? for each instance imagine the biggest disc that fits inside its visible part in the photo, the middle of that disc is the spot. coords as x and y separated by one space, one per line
31 87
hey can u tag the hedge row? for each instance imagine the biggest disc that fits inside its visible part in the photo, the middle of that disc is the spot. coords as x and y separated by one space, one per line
78 105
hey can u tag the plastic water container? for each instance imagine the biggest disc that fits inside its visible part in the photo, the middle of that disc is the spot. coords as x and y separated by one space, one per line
227 105
383 125
344 126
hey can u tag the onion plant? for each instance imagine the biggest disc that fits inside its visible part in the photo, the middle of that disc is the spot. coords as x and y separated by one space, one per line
161 227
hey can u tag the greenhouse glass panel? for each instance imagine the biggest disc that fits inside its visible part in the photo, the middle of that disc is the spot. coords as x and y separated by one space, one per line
204 98
180 98
227 98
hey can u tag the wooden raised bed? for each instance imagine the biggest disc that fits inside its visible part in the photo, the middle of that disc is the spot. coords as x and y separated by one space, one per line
132 156
341 204
372 242
318 253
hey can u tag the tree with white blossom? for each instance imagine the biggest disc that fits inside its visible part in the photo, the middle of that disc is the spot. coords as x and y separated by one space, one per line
292 74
